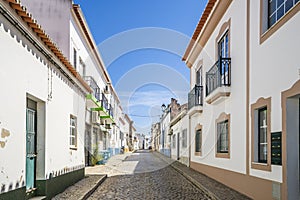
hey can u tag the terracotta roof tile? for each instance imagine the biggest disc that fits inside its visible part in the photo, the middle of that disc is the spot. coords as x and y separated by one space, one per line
201 23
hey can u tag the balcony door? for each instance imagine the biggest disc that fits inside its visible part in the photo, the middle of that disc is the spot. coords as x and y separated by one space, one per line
199 77
223 52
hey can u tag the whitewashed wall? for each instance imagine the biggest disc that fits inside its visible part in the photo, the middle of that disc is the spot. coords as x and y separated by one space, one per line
274 68
28 76
234 105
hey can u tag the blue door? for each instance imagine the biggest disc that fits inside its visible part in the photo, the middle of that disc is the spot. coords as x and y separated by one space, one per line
30 149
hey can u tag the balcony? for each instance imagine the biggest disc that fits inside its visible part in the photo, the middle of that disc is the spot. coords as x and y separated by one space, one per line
111 111
104 102
195 100
94 97
108 117
97 100
218 80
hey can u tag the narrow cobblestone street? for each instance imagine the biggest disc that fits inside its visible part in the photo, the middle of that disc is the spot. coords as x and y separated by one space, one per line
152 179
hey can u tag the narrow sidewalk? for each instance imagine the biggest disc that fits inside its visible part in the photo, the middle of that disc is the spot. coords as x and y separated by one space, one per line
114 166
211 187
94 176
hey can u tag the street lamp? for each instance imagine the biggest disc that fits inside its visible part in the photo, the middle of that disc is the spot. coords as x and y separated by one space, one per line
163 107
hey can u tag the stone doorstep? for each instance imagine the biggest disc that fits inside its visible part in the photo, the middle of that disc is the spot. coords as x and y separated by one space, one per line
189 178
92 190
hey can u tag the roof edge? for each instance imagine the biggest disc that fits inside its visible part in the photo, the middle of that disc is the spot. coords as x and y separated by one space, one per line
203 19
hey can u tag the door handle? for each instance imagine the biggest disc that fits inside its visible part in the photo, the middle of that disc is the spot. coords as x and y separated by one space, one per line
31 155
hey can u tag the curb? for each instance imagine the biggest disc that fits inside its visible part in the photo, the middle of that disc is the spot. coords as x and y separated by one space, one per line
190 179
92 190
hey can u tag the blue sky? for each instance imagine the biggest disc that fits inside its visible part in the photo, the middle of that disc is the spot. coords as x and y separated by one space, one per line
141 43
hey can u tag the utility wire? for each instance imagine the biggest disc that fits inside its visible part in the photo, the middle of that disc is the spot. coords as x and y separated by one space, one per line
146 116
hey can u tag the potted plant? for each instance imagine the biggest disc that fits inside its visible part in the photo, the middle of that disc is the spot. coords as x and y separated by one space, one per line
97 158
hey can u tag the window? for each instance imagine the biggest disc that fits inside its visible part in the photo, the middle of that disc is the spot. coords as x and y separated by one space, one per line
174 141
184 138
222 143
274 14
278 8
223 136
223 48
198 142
75 58
73 131
81 69
223 52
260 134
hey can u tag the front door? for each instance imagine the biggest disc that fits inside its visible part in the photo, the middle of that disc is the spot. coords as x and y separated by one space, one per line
87 145
30 148
292 146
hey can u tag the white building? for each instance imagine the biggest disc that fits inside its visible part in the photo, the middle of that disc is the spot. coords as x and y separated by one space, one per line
66 95
42 121
155 136
169 113
245 117
179 128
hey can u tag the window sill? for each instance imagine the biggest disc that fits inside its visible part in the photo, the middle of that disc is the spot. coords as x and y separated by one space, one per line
261 166
217 94
222 155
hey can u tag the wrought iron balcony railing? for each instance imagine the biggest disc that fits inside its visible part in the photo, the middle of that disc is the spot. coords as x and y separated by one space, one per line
219 75
104 102
93 84
195 97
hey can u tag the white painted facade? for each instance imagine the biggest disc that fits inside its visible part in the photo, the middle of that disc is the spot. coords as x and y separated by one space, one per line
165 142
180 138
57 95
233 104
60 94
276 57
264 69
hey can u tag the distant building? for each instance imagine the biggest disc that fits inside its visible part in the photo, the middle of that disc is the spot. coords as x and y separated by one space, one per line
180 140
155 136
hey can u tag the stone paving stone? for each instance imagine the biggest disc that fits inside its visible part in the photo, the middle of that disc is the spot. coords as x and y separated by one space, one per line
218 190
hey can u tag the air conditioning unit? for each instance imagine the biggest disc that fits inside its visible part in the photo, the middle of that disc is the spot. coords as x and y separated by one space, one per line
106 89
95 117
102 122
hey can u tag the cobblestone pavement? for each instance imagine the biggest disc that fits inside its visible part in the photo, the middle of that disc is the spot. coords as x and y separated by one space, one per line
152 178
147 175
212 187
